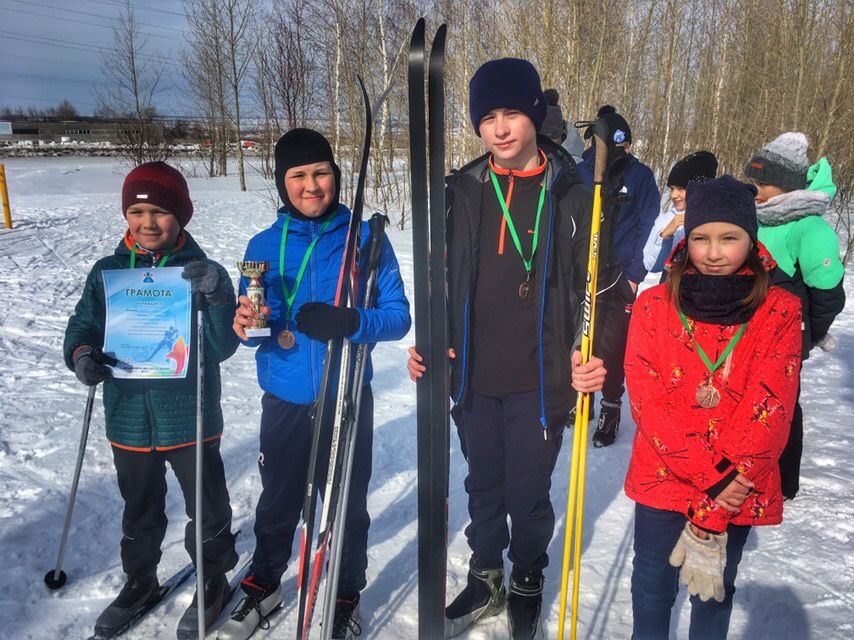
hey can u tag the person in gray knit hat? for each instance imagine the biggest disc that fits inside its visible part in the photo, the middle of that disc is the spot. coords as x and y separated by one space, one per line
782 162
792 197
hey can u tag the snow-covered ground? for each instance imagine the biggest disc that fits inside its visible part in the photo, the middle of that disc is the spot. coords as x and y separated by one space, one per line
796 580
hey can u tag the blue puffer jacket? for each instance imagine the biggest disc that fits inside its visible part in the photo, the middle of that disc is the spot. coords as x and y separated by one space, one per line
294 375
634 220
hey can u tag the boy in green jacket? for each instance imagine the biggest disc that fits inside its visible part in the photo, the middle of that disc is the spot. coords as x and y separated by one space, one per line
151 422
792 199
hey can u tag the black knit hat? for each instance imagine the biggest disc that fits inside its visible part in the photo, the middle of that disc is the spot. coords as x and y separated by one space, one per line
696 167
723 199
507 83
298 147
617 127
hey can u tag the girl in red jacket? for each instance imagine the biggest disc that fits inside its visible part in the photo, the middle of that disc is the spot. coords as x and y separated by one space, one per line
712 372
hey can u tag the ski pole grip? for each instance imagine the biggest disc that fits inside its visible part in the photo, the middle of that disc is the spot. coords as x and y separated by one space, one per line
377 226
601 159
199 301
100 357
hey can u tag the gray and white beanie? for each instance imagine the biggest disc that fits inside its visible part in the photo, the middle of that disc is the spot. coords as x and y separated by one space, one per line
782 162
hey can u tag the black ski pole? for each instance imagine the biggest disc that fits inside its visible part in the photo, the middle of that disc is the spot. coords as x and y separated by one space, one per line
377 223
56 577
198 303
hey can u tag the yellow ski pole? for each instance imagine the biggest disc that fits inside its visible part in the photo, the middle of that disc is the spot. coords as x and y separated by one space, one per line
575 496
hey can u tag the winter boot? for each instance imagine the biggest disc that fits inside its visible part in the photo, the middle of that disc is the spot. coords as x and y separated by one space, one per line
570 419
524 601
260 601
346 623
216 589
139 592
609 424
483 596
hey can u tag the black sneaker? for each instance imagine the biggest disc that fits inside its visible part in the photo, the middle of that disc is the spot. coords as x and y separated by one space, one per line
139 591
524 602
609 424
252 612
216 588
483 596
346 623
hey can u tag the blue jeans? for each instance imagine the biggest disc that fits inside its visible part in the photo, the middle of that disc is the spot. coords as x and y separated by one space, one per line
655 583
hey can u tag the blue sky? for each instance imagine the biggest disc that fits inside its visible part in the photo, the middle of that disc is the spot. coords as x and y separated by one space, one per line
50 50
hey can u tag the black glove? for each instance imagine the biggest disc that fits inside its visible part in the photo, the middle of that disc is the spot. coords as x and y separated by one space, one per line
321 321
204 278
88 369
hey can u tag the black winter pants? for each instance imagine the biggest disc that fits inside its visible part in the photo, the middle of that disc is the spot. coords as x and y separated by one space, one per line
283 463
142 483
790 459
613 312
510 467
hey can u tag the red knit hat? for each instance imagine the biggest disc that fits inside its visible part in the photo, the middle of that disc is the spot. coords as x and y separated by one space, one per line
161 185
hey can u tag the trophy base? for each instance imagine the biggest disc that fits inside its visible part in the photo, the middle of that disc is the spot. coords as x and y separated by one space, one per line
261 332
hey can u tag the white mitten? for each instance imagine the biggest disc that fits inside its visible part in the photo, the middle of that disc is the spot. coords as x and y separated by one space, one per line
702 562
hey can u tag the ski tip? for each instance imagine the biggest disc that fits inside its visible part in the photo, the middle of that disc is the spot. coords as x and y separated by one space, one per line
438 48
416 42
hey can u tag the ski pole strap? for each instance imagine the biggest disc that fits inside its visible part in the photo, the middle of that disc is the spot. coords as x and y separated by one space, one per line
291 295
733 341
528 262
163 260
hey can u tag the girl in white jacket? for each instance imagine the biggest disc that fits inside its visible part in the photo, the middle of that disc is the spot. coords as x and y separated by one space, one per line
667 231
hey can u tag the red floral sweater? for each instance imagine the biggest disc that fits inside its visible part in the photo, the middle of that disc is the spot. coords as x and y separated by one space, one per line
680 449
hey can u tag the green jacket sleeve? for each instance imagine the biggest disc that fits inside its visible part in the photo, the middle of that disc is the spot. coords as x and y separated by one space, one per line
817 253
86 324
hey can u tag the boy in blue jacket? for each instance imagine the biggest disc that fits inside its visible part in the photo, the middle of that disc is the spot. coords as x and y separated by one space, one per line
308 238
626 225
152 422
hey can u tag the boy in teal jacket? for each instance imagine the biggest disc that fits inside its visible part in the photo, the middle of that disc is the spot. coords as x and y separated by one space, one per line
792 199
152 422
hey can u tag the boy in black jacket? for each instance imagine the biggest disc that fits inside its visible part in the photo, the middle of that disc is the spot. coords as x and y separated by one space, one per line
518 228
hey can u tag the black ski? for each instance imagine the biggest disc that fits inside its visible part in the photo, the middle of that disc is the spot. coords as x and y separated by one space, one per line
331 408
166 589
431 324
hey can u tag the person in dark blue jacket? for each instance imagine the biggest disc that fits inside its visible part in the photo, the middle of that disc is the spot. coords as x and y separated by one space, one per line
631 207
308 237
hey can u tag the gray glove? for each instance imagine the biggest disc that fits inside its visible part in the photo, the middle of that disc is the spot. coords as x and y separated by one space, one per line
703 563
204 278
88 370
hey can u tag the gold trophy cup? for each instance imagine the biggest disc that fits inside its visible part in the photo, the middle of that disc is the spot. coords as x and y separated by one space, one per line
254 270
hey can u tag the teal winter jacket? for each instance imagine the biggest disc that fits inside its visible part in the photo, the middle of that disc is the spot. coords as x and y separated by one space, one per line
145 415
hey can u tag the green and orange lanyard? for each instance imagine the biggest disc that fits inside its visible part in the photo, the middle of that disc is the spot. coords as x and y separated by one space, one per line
507 220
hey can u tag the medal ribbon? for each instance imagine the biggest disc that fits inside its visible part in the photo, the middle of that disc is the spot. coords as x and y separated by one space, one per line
291 295
528 262
733 341
133 258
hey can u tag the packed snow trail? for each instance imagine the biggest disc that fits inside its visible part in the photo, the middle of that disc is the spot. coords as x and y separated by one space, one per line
796 581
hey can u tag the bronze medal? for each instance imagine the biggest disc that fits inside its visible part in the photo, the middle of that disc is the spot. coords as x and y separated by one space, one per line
287 339
525 287
707 396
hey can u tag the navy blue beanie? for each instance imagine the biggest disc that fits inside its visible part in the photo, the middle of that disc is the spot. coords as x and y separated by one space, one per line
508 83
723 199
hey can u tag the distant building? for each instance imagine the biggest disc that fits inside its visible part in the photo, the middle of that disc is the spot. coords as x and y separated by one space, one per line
72 131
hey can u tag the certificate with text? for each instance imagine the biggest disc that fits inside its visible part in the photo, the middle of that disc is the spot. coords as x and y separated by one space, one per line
148 324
